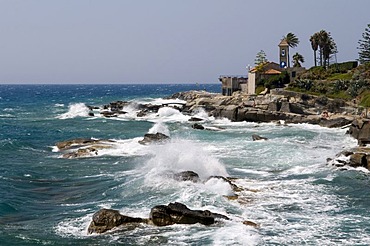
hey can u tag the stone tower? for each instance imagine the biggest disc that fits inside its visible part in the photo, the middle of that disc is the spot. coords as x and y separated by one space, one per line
283 53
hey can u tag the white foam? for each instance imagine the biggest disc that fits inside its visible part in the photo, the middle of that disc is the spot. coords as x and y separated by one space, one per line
75 110
76 227
184 155
159 127
219 186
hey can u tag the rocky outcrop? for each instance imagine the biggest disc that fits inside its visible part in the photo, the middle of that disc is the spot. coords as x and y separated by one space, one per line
284 105
80 142
107 219
360 130
187 176
178 213
161 215
83 147
358 157
154 138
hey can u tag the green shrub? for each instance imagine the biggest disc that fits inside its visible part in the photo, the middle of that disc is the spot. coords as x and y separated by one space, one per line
343 67
355 87
259 89
340 76
365 101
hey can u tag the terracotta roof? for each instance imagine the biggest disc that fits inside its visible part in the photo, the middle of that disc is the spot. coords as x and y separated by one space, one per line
272 71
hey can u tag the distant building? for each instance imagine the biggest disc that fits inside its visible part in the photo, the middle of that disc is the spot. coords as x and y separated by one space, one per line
267 70
247 85
232 83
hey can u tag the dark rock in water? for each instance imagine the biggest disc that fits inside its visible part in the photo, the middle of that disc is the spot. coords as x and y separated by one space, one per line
115 113
256 137
195 119
358 160
197 126
86 152
108 114
91 114
79 142
178 213
150 138
142 113
107 219
187 176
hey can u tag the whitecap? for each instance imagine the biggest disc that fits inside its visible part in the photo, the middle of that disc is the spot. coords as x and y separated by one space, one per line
75 110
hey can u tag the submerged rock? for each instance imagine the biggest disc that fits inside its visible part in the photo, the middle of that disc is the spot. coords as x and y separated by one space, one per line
178 213
256 137
107 219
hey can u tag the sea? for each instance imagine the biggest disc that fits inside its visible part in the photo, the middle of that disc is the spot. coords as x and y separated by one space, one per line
286 186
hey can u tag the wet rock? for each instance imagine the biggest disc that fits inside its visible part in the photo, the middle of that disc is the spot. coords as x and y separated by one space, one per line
187 176
79 142
86 152
197 126
115 113
358 160
250 223
178 213
195 119
107 219
256 137
154 138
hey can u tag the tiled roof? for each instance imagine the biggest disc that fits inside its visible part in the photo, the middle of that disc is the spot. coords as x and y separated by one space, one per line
272 71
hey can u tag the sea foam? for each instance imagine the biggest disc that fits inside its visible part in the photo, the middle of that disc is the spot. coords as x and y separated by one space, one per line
75 110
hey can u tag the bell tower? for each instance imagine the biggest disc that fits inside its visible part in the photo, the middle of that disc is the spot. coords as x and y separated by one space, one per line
283 53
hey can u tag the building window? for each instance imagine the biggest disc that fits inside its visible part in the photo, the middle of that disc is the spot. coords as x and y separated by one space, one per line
294 74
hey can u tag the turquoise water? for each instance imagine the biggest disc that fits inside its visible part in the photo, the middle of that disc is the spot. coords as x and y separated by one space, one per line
289 191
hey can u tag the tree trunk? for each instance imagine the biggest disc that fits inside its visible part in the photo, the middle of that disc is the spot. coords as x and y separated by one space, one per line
315 58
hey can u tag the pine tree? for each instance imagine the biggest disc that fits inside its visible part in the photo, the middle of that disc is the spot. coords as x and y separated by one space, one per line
364 46
260 58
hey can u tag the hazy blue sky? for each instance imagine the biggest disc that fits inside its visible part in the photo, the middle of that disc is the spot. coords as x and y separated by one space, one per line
162 41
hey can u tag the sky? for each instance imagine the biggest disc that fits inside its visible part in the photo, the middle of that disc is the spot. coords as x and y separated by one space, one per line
162 41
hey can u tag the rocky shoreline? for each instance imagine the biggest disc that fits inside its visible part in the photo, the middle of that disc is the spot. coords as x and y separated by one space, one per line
279 106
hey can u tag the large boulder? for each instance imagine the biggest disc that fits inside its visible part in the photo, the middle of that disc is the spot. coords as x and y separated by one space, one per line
360 130
178 213
107 219
154 138
335 122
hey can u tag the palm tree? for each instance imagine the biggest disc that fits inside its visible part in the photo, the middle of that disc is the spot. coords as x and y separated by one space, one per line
292 41
327 47
314 39
297 60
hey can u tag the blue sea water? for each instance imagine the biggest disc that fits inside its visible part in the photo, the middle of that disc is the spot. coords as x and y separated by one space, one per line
288 189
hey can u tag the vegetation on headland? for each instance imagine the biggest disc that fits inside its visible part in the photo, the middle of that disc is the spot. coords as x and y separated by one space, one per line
328 78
